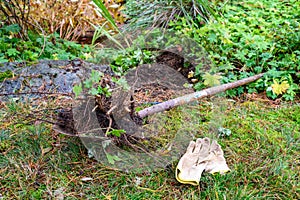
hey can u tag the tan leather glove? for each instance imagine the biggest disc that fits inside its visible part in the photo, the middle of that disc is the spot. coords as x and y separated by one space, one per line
217 163
193 162
200 156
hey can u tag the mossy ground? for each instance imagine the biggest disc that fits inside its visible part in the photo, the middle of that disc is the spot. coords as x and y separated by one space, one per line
262 151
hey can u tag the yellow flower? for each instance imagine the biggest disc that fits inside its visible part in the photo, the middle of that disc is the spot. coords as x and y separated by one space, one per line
280 88
87 55
191 74
55 56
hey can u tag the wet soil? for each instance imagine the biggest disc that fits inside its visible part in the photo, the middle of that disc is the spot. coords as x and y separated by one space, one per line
144 96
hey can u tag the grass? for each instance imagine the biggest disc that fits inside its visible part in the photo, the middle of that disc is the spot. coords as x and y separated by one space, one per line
262 151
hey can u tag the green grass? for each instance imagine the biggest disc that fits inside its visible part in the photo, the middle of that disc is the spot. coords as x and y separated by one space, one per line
262 151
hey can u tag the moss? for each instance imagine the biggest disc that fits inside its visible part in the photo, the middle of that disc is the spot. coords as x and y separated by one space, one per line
5 75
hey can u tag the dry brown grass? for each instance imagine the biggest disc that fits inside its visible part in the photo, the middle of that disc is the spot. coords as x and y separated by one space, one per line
72 19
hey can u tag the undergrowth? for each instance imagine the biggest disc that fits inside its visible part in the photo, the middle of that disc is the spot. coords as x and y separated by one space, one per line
14 49
251 37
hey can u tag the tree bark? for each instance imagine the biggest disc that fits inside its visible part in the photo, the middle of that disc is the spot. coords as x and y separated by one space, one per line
195 96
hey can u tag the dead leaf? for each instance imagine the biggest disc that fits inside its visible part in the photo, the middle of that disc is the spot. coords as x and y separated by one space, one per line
279 88
211 80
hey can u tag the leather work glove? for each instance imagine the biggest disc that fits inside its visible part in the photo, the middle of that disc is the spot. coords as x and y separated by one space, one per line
217 163
200 156
193 162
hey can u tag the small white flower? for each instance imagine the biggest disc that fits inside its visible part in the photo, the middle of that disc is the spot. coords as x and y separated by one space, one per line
138 181
86 179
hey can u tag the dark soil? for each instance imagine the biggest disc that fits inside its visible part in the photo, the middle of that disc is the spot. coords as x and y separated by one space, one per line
145 96
176 62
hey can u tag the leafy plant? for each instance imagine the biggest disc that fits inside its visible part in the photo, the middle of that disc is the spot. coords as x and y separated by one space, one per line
250 38
280 88
211 80
222 132
116 132
77 89
130 58
93 85
38 47
112 158
283 87
122 62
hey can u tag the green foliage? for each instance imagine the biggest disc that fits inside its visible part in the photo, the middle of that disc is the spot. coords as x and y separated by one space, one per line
120 66
16 12
157 13
37 47
284 87
105 13
122 61
250 38
14 28
112 158
6 74
222 132
130 58
93 85
77 89
116 132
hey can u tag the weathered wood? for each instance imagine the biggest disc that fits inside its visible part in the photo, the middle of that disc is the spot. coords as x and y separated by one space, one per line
195 96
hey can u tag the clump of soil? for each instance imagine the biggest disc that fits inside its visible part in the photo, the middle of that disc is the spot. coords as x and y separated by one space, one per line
176 62
152 94
144 96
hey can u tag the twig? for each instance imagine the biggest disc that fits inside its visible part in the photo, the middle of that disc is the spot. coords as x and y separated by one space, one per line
110 110
110 119
109 125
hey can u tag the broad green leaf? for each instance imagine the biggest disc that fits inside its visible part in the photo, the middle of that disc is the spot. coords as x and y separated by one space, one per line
117 132
93 91
14 28
12 52
95 76
2 60
112 158
88 83
77 89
